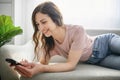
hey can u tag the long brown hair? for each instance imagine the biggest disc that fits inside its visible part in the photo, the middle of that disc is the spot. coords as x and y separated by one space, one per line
50 9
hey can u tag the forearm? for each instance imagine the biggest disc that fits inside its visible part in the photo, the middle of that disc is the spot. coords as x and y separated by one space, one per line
59 67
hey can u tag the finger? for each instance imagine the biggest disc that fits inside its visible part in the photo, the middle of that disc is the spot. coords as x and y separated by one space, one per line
28 72
22 74
11 65
24 62
21 61
32 64
24 70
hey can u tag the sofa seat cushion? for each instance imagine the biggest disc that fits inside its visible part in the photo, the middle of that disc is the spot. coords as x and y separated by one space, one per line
82 72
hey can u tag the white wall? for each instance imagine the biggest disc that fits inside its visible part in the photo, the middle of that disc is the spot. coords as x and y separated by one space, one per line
7 8
20 13
92 14
23 12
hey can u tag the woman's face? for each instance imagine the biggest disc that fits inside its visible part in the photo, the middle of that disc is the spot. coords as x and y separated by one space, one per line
45 24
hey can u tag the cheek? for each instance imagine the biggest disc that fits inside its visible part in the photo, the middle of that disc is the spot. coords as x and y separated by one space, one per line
53 27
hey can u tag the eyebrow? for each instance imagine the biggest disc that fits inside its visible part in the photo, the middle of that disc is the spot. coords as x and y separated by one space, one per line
42 19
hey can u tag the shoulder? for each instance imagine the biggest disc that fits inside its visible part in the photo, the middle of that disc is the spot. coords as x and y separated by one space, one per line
74 28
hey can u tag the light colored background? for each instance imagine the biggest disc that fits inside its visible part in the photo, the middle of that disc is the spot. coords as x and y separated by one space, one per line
92 14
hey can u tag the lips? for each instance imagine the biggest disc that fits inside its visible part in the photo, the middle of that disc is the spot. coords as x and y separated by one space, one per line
45 32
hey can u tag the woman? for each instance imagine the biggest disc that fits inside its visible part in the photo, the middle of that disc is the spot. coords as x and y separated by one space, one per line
69 41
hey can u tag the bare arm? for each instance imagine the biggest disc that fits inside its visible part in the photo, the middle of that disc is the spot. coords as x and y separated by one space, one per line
43 61
71 63
73 59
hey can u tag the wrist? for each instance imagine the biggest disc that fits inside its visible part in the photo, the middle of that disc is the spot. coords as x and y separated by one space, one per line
45 68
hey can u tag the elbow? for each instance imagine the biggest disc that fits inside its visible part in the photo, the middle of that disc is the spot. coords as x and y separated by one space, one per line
72 67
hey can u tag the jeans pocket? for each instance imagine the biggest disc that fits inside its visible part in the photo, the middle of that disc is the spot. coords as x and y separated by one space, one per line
98 54
95 58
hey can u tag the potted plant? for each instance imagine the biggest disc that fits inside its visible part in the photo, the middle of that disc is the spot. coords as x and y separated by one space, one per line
7 29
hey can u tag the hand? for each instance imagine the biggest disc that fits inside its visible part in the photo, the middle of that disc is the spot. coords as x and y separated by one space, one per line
29 69
26 64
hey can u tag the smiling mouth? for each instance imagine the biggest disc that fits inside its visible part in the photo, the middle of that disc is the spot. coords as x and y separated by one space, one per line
45 31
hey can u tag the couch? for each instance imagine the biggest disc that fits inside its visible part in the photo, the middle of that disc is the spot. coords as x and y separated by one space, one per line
82 71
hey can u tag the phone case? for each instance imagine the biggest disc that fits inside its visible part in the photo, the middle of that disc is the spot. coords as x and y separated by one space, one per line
12 62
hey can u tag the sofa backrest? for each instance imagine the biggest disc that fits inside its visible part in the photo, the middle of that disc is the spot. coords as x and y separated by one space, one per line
93 32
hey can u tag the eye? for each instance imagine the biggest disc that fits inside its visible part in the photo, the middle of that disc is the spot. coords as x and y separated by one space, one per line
44 22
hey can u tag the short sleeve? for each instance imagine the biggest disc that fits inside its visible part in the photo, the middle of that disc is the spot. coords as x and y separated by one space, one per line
79 37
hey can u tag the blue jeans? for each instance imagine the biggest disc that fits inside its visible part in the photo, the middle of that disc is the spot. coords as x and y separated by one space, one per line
106 51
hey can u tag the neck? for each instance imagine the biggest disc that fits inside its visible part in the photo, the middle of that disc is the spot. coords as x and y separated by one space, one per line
59 34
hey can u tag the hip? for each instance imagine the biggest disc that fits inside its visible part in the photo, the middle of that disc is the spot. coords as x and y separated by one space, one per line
100 48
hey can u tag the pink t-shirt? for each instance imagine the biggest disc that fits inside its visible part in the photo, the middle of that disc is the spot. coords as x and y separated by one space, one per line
76 38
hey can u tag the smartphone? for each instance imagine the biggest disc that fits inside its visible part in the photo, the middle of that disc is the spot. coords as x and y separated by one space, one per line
12 62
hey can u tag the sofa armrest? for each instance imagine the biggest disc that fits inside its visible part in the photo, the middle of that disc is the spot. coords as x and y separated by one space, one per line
16 52
6 72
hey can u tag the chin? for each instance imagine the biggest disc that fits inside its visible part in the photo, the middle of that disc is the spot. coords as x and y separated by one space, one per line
47 35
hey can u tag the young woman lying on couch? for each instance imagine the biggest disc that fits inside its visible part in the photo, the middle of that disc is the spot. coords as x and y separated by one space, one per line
69 41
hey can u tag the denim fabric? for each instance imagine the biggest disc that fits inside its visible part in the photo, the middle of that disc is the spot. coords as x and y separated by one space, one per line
104 45
113 59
